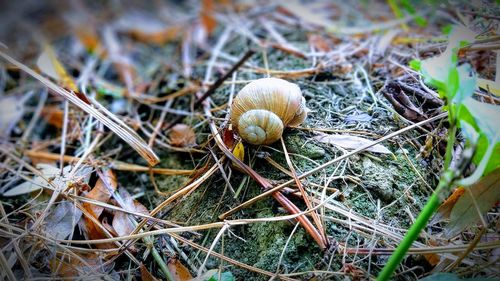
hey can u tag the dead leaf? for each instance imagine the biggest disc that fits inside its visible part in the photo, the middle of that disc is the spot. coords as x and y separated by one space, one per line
88 37
61 221
402 103
146 275
228 138
350 142
432 258
147 28
239 151
50 65
12 111
319 43
122 223
53 115
444 210
51 173
207 18
178 270
158 37
182 135
101 193
491 86
70 266
486 193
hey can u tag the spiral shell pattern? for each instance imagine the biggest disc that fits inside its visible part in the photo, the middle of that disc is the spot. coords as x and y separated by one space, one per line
264 107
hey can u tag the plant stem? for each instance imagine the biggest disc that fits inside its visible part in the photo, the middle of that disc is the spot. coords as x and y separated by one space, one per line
451 141
421 221
159 260
445 182
410 236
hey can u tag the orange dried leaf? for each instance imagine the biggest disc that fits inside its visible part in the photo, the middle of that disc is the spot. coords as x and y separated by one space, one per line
100 193
53 115
444 210
182 135
178 270
228 138
206 16
71 266
146 275
156 37
319 43
88 37
432 258
474 203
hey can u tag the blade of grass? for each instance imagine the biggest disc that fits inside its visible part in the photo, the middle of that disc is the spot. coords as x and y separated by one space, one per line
107 118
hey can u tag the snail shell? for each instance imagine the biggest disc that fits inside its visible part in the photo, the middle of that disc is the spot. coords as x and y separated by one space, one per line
264 107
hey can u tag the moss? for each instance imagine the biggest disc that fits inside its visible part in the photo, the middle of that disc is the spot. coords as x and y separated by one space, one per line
297 144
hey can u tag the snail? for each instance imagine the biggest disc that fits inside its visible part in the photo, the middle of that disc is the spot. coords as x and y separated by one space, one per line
264 107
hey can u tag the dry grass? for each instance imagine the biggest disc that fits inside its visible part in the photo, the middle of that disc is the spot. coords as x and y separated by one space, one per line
145 67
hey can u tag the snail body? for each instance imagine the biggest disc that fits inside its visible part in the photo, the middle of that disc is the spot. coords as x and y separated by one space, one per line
264 107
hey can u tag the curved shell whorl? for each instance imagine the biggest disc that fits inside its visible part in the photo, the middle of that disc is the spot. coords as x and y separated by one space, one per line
260 126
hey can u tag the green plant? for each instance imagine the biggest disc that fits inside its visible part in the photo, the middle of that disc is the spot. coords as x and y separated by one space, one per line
476 120
399 7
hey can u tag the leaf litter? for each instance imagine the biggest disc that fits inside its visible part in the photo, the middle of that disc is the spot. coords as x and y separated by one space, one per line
151 65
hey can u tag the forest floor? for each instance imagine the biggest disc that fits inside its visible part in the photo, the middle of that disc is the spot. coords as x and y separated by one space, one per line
99 180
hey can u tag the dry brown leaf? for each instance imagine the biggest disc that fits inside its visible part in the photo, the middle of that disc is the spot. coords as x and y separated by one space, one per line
159 37
350 142
182 135
70 266
228 138
122 223
207 18
432 258
146 275
444 210
147 28
178 270
88 37
485 192
53 115
12 112
101 193
319 43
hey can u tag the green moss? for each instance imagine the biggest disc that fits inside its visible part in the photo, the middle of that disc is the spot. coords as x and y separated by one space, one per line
297 144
